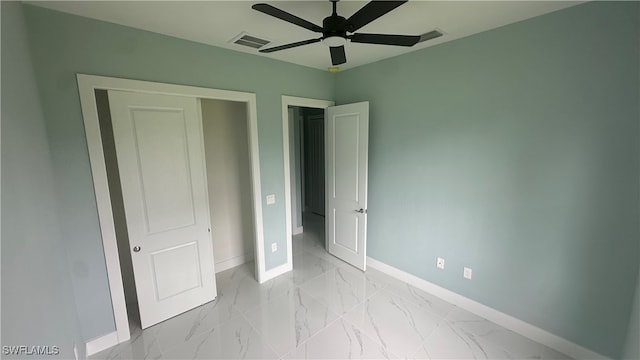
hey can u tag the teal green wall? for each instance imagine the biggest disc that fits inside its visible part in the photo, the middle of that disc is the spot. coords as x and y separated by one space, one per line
63 45
514 152
38 306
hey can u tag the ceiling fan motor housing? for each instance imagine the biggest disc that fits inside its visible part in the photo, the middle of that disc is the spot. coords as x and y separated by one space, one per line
334 25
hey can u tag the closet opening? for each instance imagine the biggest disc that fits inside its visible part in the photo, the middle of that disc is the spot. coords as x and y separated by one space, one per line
225 138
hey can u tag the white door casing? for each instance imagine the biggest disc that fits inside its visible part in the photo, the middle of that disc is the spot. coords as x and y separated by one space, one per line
288 101
347 147
160 153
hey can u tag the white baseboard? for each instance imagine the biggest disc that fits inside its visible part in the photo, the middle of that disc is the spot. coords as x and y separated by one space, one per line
297 230
98 344
232 262
507 321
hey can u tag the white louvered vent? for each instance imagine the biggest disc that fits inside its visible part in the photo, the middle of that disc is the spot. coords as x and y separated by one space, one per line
252 41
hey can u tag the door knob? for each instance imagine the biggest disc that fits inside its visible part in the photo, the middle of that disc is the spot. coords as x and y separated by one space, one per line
136 248
361 211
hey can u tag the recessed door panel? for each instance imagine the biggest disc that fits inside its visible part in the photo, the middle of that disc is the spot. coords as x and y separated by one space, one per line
176 270
346 144
346 229
161 146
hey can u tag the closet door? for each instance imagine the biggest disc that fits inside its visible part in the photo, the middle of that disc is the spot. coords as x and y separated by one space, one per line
160 154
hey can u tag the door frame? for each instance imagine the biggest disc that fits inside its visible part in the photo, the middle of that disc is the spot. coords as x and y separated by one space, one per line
286 133
87 84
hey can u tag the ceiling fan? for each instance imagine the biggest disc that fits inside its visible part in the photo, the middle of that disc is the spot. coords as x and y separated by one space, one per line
335 29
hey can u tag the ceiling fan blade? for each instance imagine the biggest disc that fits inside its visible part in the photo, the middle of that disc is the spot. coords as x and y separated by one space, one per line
370 12
385 39
289 46
338 55
283 15
430 35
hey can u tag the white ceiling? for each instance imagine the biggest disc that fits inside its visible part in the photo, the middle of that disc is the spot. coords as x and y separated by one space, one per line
217 22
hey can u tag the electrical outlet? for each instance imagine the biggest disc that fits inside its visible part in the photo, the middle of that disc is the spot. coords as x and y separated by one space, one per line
440 263
271 199
274 247
467 273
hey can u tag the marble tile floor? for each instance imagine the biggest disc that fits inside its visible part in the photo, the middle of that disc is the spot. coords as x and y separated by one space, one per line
324 309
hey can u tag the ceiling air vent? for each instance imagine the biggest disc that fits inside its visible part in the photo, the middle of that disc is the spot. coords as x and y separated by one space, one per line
249 40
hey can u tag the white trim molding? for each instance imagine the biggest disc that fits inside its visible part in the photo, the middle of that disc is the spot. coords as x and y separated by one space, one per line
507 321
286 102
232 262
278 270
87 84
98 344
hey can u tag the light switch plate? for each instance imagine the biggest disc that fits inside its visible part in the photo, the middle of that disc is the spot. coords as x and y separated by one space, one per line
271 199
274 247
440 263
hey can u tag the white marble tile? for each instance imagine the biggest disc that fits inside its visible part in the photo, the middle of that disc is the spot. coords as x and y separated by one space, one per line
235 274
448 342
316 248
235 339
180 329
307 266
420 298
311 238
150 342
242 290
490 334
399 325
297 244
138 347
322 253
288 320
342 288
340 340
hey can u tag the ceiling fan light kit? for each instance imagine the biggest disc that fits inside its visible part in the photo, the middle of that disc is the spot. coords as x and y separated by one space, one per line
334 41
335 29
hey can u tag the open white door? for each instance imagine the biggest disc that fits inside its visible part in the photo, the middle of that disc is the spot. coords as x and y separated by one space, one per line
347 150
160 152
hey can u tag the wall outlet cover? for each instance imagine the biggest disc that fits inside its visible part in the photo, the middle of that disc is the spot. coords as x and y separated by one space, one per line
440 263
467 272
271 199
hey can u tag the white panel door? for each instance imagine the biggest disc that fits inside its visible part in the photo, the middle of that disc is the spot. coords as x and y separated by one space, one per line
347 151
160 153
